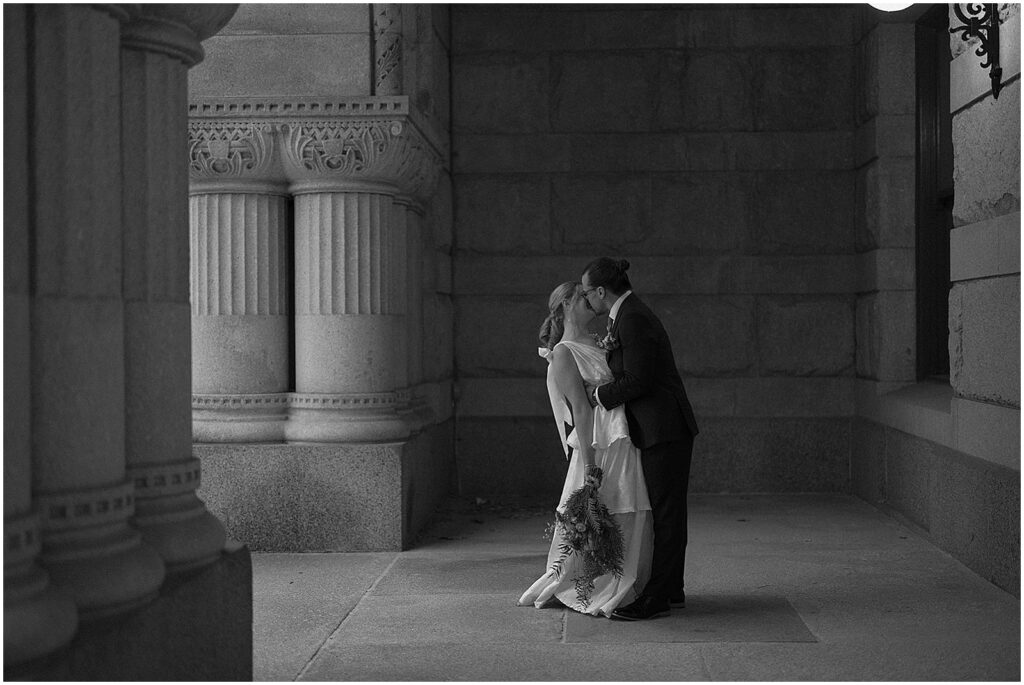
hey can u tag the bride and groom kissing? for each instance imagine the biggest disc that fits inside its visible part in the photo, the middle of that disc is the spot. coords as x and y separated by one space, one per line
627 429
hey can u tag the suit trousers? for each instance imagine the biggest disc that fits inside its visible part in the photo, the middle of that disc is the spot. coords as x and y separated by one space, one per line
667 472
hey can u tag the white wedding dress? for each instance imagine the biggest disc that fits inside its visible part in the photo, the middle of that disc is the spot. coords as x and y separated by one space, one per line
622 490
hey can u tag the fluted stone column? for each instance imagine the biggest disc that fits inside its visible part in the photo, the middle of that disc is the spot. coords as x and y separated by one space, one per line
353 167
351 268
240 224
37 618
346 327
159 44
77 326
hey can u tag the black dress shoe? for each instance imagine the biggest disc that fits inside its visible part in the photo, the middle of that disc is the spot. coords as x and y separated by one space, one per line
678 602
642 609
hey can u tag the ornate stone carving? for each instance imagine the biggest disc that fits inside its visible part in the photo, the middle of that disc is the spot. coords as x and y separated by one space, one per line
219 149
239 417
387 49
234 156
87 508
375 151
21 539
166 479
270 403
345 417
322 145
377 400
361 149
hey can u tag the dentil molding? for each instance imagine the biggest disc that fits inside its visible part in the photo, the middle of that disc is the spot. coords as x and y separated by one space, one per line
372 144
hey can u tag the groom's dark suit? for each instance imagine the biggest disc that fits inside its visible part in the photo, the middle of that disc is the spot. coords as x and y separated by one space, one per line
662 425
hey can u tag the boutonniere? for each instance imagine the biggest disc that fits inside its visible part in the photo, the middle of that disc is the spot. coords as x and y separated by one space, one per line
608 343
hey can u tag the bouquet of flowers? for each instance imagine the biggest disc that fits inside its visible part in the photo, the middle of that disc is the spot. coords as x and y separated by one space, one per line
588 531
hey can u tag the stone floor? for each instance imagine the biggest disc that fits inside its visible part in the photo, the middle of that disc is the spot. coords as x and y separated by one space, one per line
802 587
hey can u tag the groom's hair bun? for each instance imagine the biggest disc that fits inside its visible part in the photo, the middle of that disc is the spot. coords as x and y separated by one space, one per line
610 274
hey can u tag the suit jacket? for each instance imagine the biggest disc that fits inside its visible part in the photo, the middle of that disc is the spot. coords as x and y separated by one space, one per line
646 379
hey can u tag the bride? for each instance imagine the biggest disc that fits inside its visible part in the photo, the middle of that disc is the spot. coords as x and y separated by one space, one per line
591 436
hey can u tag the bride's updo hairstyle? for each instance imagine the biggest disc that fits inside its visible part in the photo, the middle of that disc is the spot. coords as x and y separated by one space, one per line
554 325
610 274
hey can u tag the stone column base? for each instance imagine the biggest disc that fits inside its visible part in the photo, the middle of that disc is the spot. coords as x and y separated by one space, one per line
202 621
349 418
239 418
330 497
37 618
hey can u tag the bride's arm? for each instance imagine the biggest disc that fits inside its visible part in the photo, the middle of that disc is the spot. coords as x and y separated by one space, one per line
570 385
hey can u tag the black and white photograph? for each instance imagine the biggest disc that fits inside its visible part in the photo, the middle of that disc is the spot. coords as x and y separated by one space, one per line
503 342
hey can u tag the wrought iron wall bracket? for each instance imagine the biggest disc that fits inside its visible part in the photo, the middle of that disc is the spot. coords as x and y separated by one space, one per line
982 20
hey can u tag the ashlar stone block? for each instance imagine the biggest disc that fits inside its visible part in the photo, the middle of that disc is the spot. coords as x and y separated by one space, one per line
342 66
881 89
504 214
298 18
602 212
910 475
497 335
771 455
867 460
607 27
886 135
595 91
625 152
711 336
986 158
502 153
511 455
804 89
496 93
805 336
804 212
976 515
885 204
984 339
506 28
439 323
794 27
706 213
705 91
886 343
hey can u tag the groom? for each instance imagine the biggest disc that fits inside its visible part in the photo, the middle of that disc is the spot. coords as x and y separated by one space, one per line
661 424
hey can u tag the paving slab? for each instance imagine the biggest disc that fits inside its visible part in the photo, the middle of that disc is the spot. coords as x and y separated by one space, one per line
447 619
706 618
509 662
952 658
299 600
791 587
470 573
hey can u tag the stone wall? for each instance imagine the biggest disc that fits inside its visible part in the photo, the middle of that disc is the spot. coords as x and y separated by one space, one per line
944 456
713 147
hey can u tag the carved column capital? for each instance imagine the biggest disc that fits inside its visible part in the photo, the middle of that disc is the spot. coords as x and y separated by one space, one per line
234 156
339 145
